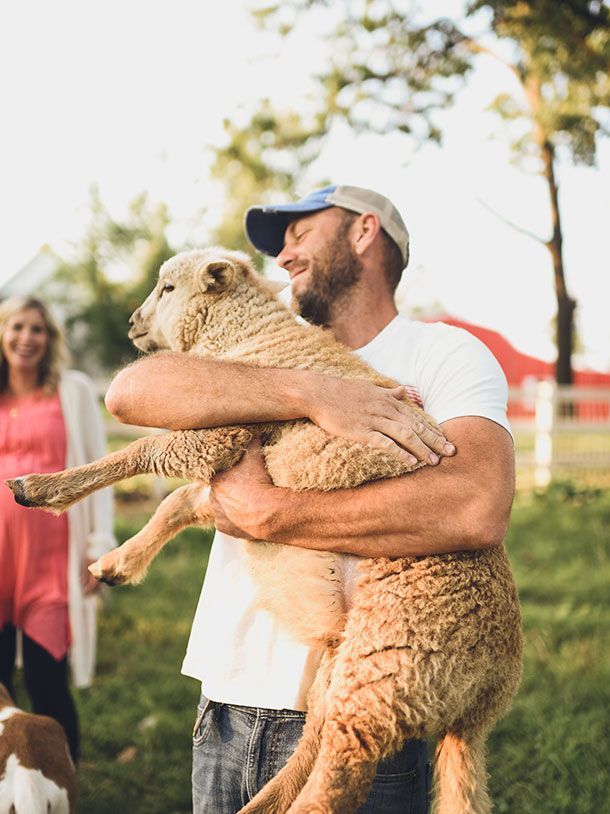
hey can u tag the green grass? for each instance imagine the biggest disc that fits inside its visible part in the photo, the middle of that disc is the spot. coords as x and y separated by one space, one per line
548 756
137 718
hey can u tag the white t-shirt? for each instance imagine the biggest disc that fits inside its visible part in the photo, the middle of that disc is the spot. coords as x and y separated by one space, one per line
238 652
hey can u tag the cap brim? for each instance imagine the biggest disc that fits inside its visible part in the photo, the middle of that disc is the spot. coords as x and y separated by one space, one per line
265 226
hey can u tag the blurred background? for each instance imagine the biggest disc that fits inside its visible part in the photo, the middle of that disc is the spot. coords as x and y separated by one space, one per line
134 130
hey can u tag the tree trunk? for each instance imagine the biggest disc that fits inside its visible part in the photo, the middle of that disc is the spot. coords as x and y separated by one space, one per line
565 340
565 304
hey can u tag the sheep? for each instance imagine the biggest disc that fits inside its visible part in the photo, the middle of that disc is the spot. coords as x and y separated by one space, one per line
37 775
416 647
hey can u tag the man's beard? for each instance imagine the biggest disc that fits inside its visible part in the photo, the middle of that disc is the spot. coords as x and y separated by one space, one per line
331 275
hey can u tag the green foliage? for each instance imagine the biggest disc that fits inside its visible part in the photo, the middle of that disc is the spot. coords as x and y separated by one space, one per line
262 161
112 270
561 58
393 66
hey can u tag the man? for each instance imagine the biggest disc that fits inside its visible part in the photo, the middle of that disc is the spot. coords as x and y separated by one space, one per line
344 248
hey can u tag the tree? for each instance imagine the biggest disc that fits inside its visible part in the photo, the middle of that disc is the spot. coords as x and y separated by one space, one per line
112 270
261 160
393 68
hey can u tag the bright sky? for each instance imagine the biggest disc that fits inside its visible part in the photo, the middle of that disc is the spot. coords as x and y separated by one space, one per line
130 94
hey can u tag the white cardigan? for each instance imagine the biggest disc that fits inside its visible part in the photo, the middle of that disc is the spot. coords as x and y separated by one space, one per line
90 520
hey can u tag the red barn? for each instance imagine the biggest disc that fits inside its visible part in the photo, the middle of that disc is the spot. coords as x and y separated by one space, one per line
520 369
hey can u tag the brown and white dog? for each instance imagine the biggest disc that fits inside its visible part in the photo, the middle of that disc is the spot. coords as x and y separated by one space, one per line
37 775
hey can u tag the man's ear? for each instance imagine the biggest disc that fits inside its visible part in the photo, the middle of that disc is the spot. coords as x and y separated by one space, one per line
366 229
216 276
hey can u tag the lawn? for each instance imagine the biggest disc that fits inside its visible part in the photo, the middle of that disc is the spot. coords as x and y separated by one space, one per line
548 756
137 717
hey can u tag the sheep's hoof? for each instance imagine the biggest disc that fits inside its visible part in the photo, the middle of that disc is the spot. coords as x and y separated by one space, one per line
107 576
111 581
17 488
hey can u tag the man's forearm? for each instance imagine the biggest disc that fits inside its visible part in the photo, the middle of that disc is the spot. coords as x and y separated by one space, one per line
462 504
182 391
395 518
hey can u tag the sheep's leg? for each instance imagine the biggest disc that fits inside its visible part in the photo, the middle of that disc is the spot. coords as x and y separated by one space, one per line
57 491
191 454
360 729
186 506
384 690
279 793
459 764
460 776
378 701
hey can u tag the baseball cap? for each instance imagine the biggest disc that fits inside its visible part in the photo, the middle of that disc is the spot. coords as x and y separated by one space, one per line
265 225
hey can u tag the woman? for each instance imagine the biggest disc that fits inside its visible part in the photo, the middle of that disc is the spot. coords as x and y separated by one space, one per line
49 420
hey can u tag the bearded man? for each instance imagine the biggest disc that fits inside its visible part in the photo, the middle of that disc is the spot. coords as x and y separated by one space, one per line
344 248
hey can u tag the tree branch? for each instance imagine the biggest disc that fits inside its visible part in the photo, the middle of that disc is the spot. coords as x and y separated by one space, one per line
477 48
514 226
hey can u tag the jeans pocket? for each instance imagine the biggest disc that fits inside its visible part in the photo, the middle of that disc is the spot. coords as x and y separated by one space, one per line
398 777
203 721
392 793
402 765
399 784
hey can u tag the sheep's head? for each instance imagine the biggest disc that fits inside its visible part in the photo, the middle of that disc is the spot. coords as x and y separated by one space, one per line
177 308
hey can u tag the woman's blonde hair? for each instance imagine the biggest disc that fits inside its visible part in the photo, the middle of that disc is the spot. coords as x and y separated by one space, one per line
56 355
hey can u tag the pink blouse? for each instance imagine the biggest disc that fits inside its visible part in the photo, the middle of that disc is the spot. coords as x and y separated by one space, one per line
33 543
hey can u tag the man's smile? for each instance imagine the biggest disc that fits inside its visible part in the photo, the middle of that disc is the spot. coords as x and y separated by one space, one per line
296 272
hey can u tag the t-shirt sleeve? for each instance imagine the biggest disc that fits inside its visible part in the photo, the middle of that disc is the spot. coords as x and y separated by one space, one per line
459 376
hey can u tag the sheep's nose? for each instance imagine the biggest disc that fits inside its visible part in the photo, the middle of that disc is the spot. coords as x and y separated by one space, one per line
132 318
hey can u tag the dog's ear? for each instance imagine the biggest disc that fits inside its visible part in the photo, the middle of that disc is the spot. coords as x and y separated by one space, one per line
216 276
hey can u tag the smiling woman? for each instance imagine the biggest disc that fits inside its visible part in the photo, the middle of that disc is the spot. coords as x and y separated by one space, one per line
31 350
48 419
25 341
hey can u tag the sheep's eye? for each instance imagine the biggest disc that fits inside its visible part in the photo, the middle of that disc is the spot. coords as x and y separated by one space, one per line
167 288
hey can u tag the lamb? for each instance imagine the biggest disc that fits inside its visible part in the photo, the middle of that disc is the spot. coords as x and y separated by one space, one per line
37 775
417 647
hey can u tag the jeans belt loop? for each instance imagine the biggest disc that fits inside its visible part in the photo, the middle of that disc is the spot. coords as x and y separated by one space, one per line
200 716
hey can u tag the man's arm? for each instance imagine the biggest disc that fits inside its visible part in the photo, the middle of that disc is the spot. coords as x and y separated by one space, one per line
180 391
462 504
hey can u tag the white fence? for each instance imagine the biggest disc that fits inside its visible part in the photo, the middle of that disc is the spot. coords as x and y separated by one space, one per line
561 430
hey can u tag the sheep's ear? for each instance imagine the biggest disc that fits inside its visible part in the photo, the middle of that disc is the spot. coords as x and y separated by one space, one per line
216 276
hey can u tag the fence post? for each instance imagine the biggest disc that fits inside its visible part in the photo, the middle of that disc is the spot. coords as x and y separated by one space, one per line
546 403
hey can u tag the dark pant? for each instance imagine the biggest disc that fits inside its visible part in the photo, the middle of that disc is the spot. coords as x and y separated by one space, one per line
46 680
236 750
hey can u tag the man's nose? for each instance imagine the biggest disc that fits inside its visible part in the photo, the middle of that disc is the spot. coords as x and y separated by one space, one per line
285 258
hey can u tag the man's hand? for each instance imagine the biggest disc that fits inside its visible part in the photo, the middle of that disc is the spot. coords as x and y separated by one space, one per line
243 496
362 411
462 504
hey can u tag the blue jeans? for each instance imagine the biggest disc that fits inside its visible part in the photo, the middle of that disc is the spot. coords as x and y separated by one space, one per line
236 750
